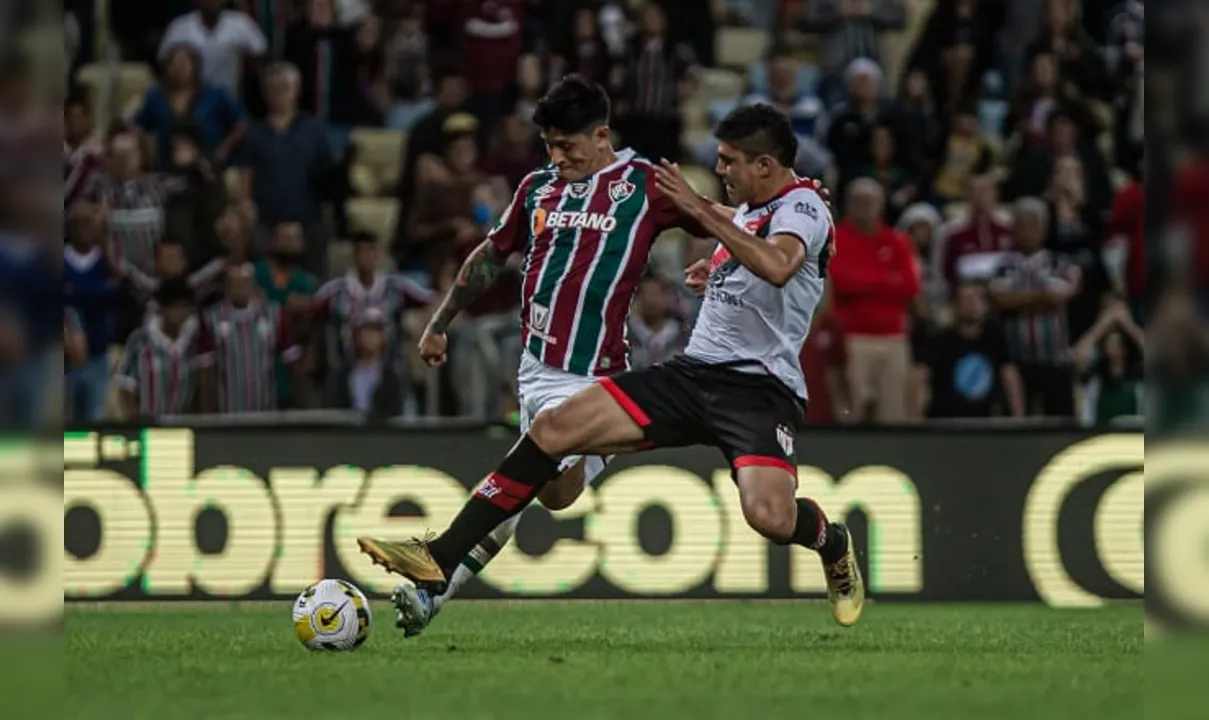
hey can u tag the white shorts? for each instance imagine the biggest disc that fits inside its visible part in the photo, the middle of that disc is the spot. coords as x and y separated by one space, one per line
540 387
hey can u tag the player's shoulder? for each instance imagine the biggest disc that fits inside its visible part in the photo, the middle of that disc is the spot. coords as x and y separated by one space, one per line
140 337
804 200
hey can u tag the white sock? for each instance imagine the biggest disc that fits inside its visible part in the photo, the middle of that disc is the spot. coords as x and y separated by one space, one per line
479 558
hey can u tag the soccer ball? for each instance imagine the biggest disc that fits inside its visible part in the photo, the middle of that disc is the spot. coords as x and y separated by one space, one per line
332 615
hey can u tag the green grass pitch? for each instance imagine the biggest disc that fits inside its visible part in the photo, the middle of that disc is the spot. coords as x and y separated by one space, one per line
587 660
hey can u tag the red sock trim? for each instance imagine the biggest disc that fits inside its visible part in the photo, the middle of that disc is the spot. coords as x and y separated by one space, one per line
626 402
505 493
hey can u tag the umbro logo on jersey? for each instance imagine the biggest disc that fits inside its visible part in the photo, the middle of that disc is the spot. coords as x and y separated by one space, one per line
620 190
559 220
543 192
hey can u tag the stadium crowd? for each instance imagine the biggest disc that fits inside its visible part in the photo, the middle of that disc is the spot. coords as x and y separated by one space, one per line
262 198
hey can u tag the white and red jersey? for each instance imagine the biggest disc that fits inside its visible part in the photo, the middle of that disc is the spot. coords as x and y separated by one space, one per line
751 323
586 245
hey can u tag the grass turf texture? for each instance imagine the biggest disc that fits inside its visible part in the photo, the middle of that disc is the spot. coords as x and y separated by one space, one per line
613 660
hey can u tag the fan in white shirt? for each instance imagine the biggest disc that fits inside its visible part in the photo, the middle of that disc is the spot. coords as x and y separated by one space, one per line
222 37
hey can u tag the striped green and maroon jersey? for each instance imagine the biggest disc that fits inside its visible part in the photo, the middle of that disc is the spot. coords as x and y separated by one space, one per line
243 345
159 369
341 299
586 246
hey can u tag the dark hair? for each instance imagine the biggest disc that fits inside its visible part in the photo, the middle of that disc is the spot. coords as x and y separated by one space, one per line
77 98
574 105
15 65
169 242
444 72
759 129
175 291
188 130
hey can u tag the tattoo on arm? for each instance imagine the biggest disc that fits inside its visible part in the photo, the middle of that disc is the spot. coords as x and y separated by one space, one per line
478 273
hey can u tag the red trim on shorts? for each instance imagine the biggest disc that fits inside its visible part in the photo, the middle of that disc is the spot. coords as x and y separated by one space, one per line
765 461
631 408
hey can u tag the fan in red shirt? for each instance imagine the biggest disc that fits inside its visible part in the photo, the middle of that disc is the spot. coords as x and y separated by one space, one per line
875 279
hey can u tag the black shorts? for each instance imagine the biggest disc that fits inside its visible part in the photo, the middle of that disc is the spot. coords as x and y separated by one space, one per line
752 418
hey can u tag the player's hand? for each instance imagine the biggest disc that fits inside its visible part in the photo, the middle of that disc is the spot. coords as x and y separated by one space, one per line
696 276
432 348
670 181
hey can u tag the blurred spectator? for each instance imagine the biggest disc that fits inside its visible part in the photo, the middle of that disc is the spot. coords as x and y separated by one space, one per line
1109 360
531 85
234 229
584 52
956 48
156 376
492 38
454 204
182 97
427 137
191 215
239 344
282 282
850 30
1125 247
367 381
1125 54
223 38
655 334
90 289
514 151
1035 101
406 71
325 54
917 111
83 149
133 198
661 75
171 265
1033 169
962 153
288 166
1185 250
825 364
273 17
804 108
972 246
875 280
1032 289
888 170
1020 25
965 370
340 300
1076 232
922 225
850 132
1080 62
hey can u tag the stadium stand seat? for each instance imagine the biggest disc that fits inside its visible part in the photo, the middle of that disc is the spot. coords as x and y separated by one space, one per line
716 84
130 84
378 152
740 47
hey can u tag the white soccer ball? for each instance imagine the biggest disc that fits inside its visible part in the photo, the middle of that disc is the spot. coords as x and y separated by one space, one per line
332 615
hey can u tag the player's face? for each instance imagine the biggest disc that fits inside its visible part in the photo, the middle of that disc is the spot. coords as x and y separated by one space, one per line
576 155
176 314
740 174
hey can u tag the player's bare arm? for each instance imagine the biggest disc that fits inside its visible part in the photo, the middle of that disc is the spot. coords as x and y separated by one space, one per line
775 261
480 271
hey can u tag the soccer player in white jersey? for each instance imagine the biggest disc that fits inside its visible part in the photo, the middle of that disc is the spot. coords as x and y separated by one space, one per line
738 386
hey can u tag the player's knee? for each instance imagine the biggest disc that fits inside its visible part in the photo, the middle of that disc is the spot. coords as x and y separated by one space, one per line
770 516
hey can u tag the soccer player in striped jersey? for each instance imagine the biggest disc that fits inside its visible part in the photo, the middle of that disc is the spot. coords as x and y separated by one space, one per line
585 223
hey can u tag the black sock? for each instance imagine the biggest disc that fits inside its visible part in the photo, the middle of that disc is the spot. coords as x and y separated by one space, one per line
505 492
813 531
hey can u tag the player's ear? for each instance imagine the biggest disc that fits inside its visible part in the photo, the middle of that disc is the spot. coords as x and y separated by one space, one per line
602 135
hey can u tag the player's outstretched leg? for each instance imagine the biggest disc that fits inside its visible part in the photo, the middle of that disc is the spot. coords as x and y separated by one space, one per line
415 608
767 490
590 422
